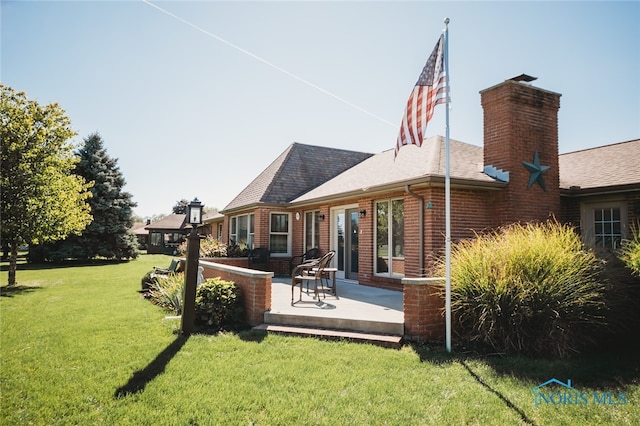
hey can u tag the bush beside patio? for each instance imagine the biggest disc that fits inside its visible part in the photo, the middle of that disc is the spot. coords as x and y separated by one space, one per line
532 289
218 304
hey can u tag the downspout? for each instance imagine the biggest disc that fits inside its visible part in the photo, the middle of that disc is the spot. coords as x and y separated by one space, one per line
421 220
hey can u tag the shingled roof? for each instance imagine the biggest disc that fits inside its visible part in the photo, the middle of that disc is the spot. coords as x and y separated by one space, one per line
172 221
299 169
412 165
604 167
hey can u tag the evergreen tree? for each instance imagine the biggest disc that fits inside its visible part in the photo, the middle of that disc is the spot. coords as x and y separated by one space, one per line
181 206
109 235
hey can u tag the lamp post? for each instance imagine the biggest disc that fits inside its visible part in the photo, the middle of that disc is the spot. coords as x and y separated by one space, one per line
194 216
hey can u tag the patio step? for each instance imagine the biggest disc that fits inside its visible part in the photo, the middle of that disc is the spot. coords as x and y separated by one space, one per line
335 323
388 341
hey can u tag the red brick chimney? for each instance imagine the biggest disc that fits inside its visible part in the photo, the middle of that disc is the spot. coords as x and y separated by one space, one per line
521 137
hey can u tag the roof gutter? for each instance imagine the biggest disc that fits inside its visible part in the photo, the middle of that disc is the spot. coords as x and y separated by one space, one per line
425 181
576 191
420 199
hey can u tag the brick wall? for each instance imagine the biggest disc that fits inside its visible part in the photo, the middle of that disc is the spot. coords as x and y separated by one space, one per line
570 211
261 227
255 288
520 120
423 306
471 211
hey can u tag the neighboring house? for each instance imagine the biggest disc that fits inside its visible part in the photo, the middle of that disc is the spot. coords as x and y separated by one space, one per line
141 234
166 234
385 216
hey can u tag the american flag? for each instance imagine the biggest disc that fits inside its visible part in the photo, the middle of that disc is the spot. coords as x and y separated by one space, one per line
429 91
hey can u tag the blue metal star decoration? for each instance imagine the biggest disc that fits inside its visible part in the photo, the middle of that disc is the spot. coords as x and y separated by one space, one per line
536 171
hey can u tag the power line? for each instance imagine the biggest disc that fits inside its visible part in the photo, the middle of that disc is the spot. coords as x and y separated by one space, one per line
266 62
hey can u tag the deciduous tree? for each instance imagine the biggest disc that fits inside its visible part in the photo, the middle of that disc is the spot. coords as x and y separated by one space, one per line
42 199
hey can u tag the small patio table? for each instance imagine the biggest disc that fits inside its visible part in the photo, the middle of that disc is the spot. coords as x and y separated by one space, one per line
332 274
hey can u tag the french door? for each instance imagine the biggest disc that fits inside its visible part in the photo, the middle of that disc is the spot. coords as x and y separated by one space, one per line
344 240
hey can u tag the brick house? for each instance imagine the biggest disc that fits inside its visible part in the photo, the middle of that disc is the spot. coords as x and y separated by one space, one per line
385 217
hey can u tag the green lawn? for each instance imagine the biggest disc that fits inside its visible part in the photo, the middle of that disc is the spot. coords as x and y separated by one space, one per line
80 346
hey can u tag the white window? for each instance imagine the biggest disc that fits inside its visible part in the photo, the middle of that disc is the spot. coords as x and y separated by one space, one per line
280 234
607 227
311 230
389 237
241 230
604 223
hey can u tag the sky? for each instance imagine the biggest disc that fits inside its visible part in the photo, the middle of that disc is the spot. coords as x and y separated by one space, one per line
195 99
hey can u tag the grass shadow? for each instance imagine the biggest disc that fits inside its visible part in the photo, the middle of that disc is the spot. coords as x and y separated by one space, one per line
141 378
26 266
613 364
436 354
251 335
614 367
507 402
14 290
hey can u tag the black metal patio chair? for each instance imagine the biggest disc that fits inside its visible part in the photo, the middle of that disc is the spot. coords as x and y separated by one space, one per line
310 254
311 271
259 258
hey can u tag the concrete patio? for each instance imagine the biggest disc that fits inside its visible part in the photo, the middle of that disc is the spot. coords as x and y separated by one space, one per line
356 308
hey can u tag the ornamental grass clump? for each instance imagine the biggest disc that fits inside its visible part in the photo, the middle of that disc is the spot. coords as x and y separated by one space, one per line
528 289
166 292
630 251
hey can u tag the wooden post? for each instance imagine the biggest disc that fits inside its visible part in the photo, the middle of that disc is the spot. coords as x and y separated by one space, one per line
190 282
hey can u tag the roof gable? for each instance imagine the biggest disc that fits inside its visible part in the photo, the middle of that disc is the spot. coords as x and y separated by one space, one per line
601 167
172 221
412 163
299 169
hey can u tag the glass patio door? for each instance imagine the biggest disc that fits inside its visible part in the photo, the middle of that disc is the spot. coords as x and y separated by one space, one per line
345 242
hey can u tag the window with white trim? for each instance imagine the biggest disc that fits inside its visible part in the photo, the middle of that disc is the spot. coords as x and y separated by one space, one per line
604 222
311 230
280 234
389 237
607 227
241 230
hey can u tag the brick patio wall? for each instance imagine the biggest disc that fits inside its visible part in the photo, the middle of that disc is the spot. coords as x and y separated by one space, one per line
423 304
255 287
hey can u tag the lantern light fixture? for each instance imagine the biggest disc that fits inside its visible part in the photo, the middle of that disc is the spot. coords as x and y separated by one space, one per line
194 211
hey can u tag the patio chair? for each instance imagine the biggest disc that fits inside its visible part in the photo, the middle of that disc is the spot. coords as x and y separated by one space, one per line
174 266
310 271
310 254
327 275
259 258
150 277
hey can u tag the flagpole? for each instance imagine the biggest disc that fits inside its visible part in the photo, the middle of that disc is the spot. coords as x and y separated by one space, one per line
447 191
